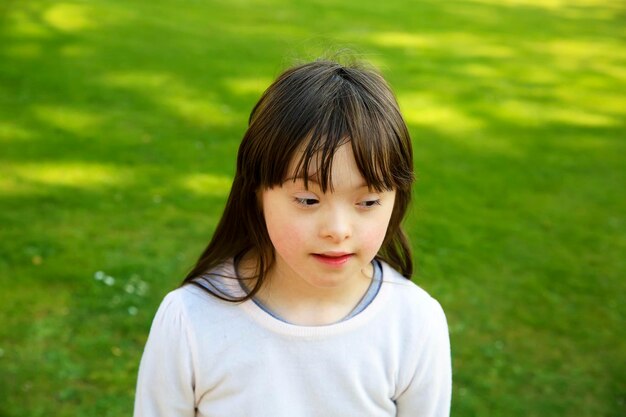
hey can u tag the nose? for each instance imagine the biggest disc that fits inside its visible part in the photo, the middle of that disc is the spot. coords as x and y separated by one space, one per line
335 225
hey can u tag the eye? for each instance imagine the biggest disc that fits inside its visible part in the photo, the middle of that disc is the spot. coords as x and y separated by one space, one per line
306 201
369 203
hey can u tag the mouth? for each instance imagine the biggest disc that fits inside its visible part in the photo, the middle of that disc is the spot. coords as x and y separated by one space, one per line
333 258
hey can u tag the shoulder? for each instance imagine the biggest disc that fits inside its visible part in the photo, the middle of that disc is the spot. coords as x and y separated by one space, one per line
404 288
412 302
191 301
179 305
200 299
422 328
192 314
206 290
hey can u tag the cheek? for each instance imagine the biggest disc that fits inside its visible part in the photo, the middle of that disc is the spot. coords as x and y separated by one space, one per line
374 233
372 238
286 236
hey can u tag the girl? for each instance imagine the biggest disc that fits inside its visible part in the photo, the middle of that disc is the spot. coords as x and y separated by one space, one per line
302 304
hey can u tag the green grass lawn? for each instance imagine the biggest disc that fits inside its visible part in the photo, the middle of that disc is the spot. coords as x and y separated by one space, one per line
119 125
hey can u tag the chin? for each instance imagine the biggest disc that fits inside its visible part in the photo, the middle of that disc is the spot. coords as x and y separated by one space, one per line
332 278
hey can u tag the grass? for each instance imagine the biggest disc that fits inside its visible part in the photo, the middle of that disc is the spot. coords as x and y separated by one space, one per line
119 124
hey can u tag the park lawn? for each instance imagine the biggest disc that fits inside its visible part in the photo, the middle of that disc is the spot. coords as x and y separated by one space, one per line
119 126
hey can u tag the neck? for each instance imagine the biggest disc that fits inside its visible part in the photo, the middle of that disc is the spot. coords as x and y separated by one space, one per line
299 302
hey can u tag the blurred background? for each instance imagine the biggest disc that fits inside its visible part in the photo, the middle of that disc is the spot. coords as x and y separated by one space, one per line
119 126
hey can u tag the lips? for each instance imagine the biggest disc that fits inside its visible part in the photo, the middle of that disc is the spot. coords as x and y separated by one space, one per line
333 258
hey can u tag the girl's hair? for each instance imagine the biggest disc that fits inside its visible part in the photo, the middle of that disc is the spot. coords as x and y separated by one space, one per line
308 113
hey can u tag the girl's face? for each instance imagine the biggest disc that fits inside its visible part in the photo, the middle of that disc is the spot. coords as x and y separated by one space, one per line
326 240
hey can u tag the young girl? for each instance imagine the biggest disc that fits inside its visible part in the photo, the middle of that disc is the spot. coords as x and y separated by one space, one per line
302 304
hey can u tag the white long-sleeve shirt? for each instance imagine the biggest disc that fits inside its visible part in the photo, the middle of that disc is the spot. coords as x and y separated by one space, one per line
207 357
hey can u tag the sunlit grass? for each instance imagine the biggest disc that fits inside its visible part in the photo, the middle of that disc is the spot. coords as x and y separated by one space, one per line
454 42
137 81
532 113
10 131
24 25
176 97
70 17
403 39
74 120
558 5
205 184
80 175
422 109
199 111
244 86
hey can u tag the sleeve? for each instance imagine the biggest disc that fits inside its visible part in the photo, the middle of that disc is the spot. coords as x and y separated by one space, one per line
165 384
428 393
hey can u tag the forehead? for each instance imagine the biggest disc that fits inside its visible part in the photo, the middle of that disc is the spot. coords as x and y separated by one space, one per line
340 170
324 155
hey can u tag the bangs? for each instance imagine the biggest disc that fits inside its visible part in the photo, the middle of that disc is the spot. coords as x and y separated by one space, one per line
370 147
311 118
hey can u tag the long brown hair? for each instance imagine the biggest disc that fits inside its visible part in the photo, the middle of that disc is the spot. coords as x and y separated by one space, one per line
309 112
